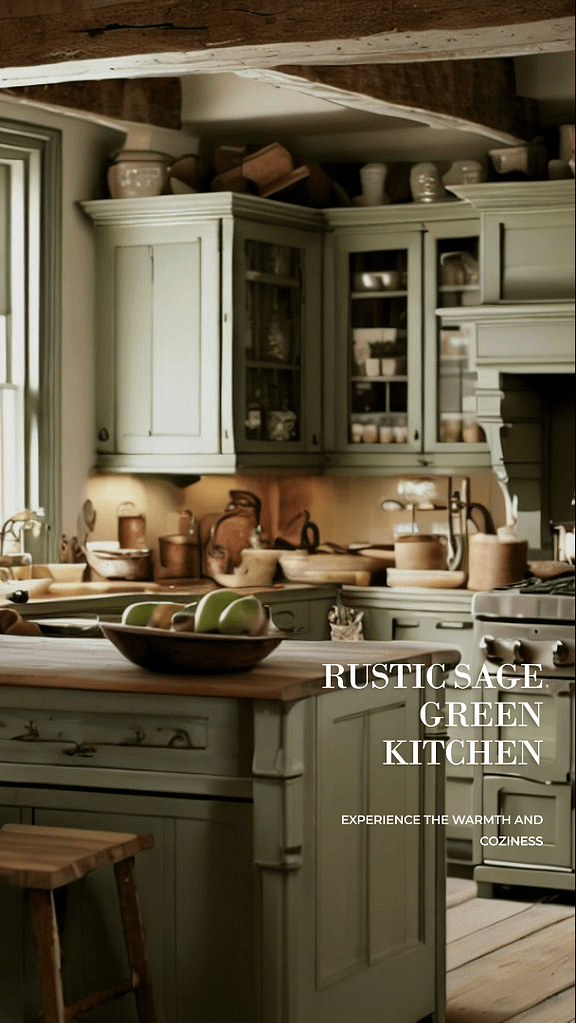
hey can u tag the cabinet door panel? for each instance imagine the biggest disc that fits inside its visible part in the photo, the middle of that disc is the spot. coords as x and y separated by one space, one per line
133 318
514 797
167 358
196 891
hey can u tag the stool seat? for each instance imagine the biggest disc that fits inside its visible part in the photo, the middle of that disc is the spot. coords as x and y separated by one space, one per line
32 856
40 859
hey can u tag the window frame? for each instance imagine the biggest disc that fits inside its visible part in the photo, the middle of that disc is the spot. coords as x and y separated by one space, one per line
39 149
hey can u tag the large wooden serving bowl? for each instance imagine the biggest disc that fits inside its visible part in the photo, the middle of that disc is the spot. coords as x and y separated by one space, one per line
188 653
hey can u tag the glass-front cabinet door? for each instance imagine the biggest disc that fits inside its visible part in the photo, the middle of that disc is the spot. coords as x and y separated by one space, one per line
277 340
378 326
452 281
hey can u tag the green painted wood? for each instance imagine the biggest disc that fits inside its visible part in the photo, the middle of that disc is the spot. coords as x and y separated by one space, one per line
511 797
240 895
171 315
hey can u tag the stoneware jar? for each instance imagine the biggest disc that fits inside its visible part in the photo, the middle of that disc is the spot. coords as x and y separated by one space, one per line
421 551
138 172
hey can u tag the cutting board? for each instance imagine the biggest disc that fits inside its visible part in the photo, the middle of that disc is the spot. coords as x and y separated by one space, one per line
425 578
111 586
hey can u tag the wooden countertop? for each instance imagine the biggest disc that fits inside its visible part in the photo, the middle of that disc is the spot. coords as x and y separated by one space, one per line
292 671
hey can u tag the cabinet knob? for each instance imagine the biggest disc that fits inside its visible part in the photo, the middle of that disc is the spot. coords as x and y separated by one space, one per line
561 654
103 434
488 648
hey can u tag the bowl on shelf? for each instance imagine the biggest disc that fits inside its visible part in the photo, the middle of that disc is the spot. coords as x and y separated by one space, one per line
189 653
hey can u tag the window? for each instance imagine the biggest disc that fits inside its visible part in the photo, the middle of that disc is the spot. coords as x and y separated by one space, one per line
29 288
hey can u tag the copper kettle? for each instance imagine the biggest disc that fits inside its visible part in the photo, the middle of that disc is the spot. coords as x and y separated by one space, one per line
227 535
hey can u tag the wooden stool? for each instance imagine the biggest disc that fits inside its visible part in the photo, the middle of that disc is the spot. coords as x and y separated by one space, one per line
39 860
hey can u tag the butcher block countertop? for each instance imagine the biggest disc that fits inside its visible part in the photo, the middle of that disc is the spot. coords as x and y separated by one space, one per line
293 671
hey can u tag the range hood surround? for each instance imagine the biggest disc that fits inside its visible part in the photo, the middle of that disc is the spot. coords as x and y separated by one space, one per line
531 339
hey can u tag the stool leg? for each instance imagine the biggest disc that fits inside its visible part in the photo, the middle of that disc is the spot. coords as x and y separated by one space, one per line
135 939
47 940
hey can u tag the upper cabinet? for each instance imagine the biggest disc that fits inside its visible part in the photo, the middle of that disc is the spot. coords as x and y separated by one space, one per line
528 239
238 332
403 385
209 336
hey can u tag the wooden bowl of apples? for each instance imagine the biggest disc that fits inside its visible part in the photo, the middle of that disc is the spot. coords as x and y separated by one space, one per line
221 633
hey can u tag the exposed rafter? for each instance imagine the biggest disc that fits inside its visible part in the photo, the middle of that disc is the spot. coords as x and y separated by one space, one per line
58 40
142 100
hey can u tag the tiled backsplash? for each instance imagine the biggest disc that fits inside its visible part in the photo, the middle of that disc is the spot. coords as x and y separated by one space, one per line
345 508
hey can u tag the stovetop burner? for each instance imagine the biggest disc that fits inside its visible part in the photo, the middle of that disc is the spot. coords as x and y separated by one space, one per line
532 599
561 584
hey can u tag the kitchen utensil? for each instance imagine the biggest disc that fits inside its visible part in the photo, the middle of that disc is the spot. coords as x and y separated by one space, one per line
494 561
131 526
111 561
88 518
33 587
464 172
372 178
421 551
188 653
180 555
304 567
257 568
425 183
308 539
223 537
563 534
137 172
425 579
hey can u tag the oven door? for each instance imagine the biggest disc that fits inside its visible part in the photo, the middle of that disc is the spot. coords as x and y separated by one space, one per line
553 707
519 802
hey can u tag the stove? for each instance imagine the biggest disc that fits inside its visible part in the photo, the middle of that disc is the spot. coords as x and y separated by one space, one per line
530 622
532 599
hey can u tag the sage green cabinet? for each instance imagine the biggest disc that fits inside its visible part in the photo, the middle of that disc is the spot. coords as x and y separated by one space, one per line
404 384
527 239
253 873
208 327
439 618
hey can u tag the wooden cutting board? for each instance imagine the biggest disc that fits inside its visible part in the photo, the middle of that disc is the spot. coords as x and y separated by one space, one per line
111 586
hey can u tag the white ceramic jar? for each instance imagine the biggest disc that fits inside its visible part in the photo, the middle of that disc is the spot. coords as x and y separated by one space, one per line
138 172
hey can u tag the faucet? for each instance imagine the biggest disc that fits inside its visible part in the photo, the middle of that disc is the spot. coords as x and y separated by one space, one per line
13 529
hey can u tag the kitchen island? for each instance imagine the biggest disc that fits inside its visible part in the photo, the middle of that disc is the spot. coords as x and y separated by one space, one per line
261 905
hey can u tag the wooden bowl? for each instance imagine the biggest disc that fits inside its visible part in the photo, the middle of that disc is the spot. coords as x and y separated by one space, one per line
188 653
302 567
115 562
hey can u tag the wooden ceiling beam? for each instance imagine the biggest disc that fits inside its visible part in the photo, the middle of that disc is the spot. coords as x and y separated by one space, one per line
155 101
67 40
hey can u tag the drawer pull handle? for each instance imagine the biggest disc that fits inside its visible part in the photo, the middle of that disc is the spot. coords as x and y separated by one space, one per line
79 749
454 625
180 740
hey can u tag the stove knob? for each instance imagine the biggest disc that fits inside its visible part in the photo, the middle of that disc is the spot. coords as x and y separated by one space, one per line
560 654
488 648
518 653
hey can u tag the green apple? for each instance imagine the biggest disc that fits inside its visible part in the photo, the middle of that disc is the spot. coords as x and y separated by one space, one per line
210 607
244 616
138 614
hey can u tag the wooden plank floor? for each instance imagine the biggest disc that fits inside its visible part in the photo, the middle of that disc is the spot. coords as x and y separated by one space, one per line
508 961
